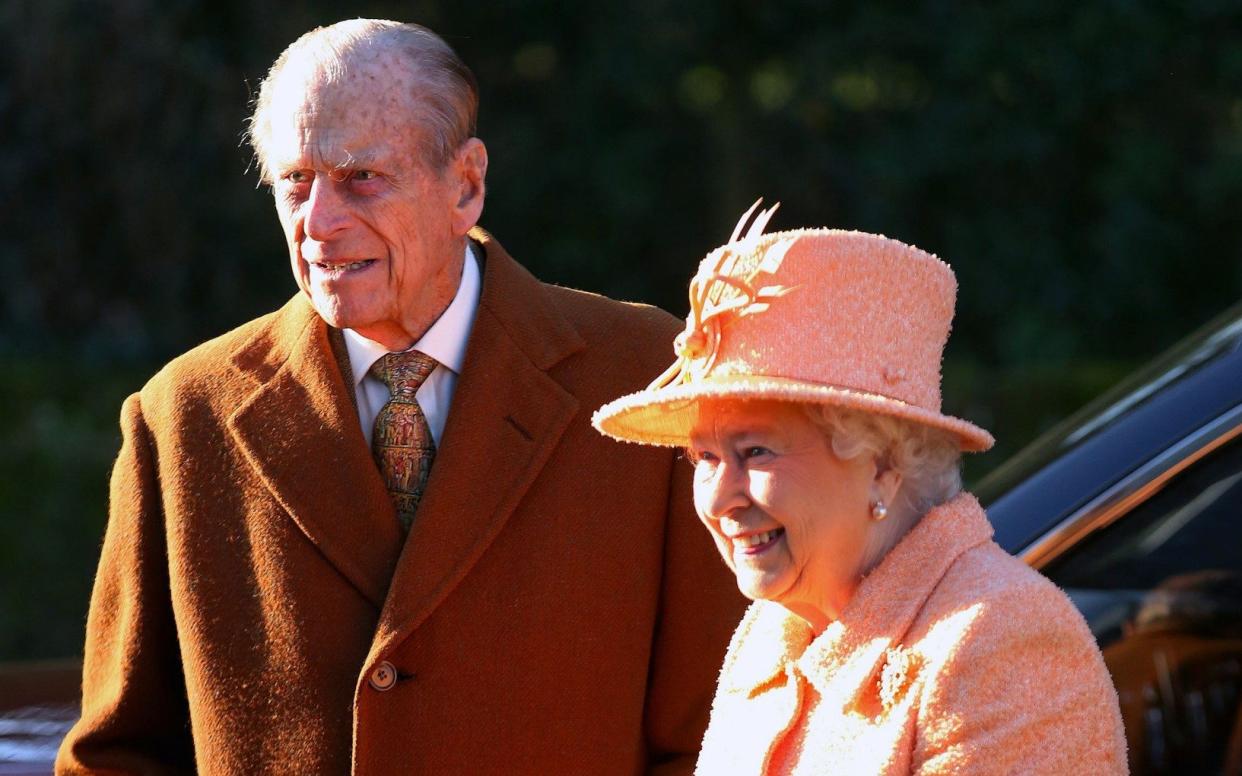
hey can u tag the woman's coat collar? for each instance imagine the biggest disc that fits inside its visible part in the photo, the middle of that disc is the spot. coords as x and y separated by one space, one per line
771 643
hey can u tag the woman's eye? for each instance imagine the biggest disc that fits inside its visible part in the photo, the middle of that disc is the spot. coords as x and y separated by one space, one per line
297 176
364 175
755 451
697 457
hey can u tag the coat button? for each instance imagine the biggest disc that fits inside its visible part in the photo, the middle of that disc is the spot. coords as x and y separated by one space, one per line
383 676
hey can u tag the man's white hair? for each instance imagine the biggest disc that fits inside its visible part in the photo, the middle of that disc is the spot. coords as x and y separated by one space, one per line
447 93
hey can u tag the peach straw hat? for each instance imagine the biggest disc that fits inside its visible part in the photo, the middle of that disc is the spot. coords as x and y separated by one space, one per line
811 315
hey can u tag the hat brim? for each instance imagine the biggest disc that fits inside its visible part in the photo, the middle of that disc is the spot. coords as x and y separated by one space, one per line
665 416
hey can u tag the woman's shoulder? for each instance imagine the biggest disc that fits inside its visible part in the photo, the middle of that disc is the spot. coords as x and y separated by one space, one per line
1012 674
988 574
987 593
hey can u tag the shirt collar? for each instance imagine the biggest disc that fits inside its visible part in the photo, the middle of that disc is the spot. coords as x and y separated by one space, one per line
445 341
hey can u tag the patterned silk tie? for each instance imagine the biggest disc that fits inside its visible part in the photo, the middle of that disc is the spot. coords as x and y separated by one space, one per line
402 441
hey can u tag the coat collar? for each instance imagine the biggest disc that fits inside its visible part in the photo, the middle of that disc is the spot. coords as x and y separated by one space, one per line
770 642
506 416
299 430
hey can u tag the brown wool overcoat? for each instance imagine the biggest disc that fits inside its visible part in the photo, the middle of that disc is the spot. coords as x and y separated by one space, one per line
554 610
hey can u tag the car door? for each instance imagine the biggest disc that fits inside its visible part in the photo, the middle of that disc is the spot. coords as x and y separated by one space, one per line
1155 565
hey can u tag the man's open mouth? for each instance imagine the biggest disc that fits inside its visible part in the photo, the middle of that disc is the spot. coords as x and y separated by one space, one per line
336 268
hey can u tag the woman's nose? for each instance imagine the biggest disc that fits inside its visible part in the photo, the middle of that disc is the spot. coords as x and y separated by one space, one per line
723 492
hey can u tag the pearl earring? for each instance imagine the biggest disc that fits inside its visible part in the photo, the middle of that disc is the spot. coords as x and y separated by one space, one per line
878 511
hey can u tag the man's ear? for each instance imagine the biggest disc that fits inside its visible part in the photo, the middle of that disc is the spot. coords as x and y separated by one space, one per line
469 170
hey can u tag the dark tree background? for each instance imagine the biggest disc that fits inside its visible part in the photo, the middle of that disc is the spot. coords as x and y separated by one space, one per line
1079 165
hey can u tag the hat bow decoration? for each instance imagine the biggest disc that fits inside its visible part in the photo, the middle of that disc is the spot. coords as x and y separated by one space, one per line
696 347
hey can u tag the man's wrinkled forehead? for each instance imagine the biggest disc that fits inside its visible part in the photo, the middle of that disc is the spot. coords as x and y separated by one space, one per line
341 112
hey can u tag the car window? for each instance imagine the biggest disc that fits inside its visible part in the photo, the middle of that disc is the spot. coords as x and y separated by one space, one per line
1220 336
1162 590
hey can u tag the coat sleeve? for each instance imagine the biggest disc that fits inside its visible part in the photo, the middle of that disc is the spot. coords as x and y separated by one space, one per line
700 606
134 711
1024 690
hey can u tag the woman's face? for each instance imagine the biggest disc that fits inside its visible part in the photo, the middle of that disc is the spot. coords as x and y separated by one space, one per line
789 517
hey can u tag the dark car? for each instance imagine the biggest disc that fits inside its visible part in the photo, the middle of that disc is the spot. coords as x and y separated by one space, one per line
1134 507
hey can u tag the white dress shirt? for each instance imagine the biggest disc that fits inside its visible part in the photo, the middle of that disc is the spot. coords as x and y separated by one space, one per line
445 341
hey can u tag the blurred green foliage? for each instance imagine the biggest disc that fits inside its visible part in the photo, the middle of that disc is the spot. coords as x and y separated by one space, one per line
1079 165
60 437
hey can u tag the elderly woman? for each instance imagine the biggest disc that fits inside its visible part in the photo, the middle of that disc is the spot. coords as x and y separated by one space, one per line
889 633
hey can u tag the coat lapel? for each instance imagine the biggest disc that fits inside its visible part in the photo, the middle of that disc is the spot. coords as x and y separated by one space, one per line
506 418
302 405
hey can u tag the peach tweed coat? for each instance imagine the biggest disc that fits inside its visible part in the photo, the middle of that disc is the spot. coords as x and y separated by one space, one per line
952 658
549 613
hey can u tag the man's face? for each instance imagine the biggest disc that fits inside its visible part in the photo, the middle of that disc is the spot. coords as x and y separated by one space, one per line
374 233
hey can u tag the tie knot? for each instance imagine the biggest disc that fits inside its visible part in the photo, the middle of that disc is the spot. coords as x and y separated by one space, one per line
403 373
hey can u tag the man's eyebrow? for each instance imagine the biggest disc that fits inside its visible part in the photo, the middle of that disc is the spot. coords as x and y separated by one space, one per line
335 160
367 157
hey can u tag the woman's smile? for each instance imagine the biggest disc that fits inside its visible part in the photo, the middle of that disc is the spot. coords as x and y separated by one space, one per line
756 543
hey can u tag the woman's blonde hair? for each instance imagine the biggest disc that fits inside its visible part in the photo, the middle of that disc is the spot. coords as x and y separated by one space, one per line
928 459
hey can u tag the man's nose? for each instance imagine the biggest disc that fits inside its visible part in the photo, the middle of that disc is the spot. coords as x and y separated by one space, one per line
724 492
326 211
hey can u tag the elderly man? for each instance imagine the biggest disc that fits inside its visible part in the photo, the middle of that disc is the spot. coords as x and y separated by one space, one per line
374 531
